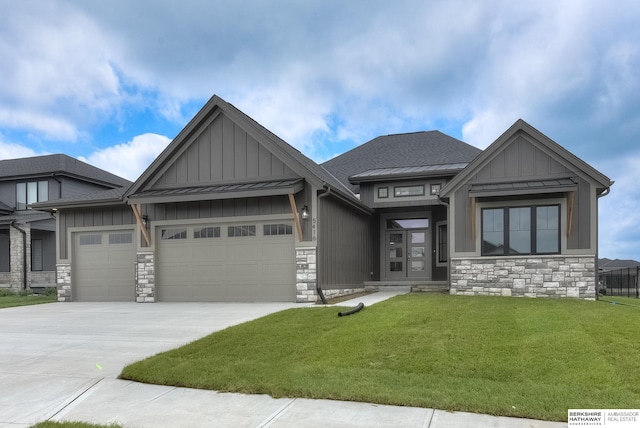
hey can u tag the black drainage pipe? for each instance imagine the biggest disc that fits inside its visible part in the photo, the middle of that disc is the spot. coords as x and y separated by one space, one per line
352 311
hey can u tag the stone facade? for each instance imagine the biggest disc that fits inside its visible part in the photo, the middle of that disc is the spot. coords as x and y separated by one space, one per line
17 256
145 278
332 294
527 276
63 282
306 275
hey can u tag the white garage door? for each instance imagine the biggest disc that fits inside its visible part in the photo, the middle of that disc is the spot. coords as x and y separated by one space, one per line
104 266
244 262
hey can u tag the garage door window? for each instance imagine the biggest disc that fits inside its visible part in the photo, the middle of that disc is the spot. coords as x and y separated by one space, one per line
278 229
206 232
120 238
247 230
90 239
177 233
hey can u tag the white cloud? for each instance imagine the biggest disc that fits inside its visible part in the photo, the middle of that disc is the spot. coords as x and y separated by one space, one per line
16 151
129 160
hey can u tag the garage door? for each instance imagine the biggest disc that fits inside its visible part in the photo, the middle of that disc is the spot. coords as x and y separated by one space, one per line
104 266
226 262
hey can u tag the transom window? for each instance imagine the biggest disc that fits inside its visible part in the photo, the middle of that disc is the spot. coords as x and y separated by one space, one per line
247 230
277 229
206 232
405 191
521 230
120 238
174 233
91 239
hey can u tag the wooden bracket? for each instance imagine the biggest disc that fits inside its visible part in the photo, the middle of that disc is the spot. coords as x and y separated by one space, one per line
296 217
145 232
571 196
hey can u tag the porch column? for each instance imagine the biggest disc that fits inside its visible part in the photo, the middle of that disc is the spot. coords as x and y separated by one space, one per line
20 259
145 277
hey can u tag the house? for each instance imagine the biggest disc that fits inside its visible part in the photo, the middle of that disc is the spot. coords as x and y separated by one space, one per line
230 212
27 236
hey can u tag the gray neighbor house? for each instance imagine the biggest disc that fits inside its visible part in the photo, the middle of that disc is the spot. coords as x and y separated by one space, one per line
27 236
230 212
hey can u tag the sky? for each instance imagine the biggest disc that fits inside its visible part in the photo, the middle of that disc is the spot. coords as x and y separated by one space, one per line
112 82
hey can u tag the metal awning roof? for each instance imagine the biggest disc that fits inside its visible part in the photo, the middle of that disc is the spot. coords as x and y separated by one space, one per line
407 171
523 187
222 191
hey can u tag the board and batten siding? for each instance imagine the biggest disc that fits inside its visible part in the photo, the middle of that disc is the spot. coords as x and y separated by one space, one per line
345 248
523 160
120 215
221 152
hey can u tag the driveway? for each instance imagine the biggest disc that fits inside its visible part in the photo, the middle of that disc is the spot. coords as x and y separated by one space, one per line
52 354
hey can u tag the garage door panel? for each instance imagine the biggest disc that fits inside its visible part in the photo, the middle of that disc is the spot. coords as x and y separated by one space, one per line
226 268
104 266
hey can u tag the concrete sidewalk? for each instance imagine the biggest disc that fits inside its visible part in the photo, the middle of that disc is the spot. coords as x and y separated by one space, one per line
60 361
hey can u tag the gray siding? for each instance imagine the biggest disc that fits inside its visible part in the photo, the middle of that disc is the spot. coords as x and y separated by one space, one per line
520 159
48 248
91 217
344 246
580 237
461 218
5 251
218 208
222 152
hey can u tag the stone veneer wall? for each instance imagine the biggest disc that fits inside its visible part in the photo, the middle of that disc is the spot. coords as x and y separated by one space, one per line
525 276
63 282
145 278
306 275
17 256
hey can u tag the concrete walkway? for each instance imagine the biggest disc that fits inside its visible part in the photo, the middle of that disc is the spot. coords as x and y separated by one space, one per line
60 361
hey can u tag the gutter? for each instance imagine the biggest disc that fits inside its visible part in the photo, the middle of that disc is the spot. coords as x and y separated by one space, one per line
597 268
24 254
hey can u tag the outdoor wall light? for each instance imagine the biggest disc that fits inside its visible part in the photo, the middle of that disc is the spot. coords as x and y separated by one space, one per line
305 213
145 220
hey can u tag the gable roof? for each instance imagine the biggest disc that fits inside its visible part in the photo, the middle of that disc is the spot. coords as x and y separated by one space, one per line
58 164
559 153
293 158
431 151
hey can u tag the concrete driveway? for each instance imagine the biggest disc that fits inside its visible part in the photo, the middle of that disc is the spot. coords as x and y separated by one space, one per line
52 354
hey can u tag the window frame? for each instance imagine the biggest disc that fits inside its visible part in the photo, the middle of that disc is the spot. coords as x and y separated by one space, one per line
533 229
29 192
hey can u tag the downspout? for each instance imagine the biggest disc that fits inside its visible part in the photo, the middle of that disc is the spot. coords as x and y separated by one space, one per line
24 254
324 194
53 176
607 190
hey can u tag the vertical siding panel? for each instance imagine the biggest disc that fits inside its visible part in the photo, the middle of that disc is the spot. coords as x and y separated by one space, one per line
240 146
512 160
527 158
204 159
277 166
253 207
498 166
542 162
264 162
216 208
193 164
182 165
227 148
253 155
216 136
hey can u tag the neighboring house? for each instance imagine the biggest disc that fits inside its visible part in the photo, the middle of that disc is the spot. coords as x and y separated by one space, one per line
230 212
27 236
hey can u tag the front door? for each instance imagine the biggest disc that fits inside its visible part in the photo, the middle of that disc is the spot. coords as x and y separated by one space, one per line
407 249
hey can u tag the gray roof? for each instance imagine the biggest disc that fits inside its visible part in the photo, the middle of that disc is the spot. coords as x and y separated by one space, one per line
608 264
417 149
27 216
103 197
12 169
407 171
524 187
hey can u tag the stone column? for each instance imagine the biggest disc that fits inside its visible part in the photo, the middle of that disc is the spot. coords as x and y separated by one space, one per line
18 261
63 282
306 275
145 278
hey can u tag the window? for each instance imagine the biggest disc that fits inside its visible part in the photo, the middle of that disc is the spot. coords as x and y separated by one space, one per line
236 231
120 238
206 232
30 193
405 191
409 223
36 255
442 243
521 230
176 233
435 189
277 229
91 239
383 192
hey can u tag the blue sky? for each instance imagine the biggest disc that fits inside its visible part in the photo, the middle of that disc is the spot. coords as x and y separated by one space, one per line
111 82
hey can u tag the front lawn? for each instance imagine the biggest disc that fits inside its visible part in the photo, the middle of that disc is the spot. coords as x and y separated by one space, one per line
9 298
531 358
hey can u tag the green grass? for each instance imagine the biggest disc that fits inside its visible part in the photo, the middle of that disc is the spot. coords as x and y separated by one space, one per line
520 357
619 300
9 298
66 424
